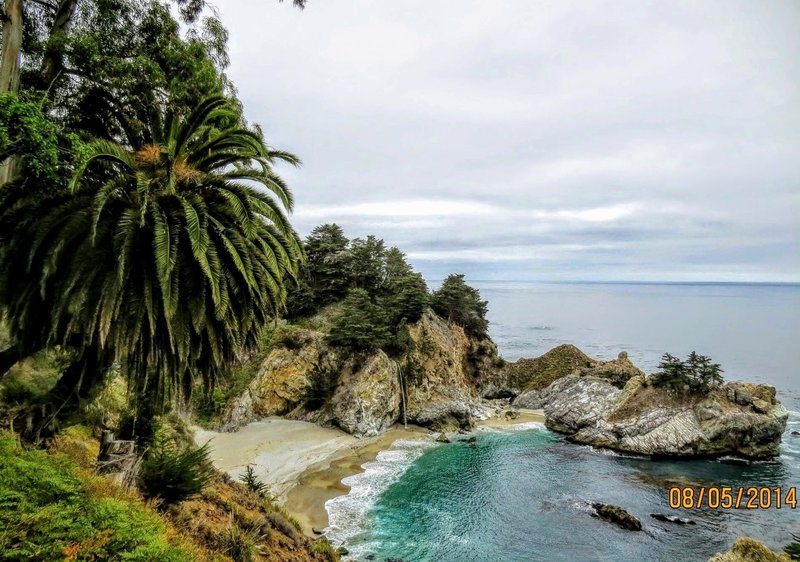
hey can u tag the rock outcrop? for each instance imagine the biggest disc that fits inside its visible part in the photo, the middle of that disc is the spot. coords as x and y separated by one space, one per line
531 375
440 371
568 359
444 379
617 515
641 419
302 377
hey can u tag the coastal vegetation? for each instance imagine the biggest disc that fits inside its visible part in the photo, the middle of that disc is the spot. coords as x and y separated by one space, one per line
145 248
696 374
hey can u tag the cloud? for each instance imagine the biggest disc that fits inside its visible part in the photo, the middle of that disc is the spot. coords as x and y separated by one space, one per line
527 140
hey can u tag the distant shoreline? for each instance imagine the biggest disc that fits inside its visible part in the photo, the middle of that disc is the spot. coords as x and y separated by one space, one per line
679 283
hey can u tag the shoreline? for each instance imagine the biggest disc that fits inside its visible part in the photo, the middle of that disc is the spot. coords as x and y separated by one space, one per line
318 484
304 464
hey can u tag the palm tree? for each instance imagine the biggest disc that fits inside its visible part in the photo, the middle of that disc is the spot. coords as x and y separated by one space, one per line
166 259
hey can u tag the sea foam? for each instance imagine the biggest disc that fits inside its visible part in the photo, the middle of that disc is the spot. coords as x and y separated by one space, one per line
348 515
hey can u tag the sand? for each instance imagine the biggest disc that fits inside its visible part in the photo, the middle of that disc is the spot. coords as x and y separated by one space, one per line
304 464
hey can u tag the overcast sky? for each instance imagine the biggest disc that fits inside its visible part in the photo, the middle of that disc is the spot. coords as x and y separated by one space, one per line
538 140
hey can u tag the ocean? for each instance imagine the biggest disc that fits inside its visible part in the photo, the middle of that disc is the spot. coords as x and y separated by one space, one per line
523 495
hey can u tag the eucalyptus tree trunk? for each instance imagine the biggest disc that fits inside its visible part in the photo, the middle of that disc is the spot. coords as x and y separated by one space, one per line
12 45
53 59
10 67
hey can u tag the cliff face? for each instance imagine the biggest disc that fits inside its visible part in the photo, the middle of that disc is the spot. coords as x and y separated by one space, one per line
305 378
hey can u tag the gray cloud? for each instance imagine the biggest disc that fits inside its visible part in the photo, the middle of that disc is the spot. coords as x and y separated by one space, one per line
539 140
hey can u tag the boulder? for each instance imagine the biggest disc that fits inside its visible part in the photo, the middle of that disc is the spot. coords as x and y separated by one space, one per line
442 438
367 399
449 415
617 515
530 399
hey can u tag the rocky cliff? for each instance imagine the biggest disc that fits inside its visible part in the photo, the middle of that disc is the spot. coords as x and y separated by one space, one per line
303 377
442 379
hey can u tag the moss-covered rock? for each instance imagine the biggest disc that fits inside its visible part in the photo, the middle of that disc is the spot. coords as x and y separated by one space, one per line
746 549
534 374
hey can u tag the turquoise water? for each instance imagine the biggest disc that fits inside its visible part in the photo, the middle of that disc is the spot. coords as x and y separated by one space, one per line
522 495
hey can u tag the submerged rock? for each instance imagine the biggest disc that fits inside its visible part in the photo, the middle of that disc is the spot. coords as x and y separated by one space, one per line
617 515
672 519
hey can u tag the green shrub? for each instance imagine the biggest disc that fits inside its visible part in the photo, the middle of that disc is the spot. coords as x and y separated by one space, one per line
697 374
793 548
239 544
172 474
49 510
321 547
253 483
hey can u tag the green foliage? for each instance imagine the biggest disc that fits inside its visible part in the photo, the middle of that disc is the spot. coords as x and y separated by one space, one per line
104 69
240 544
362 324
49 510
323 548
793 548
462 304
253 483
173 474
31 379
25 130
335 265
407 298
177 264
328 260
367 268
697 374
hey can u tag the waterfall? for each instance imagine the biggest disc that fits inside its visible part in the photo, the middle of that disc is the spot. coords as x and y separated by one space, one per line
403 392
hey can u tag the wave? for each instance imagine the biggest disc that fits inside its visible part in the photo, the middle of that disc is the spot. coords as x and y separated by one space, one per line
348 514
524 426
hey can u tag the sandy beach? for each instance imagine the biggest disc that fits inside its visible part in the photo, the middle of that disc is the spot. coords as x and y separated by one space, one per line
304 464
